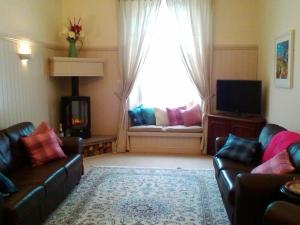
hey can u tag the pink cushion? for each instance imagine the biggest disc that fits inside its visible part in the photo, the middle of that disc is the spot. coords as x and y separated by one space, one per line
174 116
279 164
44 127
43 147
191 116
280 141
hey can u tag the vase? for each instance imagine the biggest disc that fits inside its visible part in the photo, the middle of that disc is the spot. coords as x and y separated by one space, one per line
72 48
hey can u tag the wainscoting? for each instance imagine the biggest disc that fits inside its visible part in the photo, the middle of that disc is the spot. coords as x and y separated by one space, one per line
27 93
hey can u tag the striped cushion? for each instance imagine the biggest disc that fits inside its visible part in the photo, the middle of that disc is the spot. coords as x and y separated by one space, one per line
239 149
43 147
279 164
44 127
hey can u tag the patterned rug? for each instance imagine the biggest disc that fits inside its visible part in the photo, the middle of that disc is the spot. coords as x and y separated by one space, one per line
136 196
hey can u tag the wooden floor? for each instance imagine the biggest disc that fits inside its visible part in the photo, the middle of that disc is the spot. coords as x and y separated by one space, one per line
149 160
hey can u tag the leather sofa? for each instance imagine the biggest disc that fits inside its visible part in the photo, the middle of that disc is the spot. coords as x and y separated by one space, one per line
246 195
40 189
282 213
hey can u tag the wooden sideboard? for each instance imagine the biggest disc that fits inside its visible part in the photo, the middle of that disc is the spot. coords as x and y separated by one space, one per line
221 125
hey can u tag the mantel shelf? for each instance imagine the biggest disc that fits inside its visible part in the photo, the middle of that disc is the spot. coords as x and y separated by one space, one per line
76 67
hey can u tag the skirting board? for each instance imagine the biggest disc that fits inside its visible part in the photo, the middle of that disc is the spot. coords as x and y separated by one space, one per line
165 144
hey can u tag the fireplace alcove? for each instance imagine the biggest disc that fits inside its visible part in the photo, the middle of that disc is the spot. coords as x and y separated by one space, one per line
75 110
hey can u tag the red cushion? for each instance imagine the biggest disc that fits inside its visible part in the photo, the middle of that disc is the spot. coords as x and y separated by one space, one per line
43 147
279 164
280 141
174 116
192 116
44 127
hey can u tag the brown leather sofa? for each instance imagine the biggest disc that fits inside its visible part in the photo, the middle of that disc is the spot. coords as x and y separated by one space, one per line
40 189
282 213
246 195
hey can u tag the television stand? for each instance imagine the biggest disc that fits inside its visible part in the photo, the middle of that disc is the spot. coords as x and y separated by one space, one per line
220 125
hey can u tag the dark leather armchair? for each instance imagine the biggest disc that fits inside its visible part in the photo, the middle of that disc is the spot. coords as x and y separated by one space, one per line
282 213
246 195
40 189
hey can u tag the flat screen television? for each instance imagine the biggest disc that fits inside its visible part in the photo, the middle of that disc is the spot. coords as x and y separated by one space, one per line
239 96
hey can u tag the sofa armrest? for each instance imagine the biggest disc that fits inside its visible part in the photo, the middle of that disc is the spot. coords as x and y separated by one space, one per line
72 145
219 143
254 192
282 213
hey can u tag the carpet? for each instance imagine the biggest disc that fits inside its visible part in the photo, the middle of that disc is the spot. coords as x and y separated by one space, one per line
140 196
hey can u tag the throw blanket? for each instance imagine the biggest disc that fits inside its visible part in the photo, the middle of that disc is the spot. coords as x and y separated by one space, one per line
279 142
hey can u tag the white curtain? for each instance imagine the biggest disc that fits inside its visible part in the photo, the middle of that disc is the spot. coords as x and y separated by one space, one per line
194 20
137 20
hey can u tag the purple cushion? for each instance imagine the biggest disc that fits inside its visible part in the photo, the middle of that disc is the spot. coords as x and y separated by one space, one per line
174 116
279 164
191 116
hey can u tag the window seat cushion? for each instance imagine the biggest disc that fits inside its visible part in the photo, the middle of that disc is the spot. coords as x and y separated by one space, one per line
183 129
171 129
146 128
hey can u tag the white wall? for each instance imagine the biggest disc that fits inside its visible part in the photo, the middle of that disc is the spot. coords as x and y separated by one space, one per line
34 19
277 17
236 22
27 93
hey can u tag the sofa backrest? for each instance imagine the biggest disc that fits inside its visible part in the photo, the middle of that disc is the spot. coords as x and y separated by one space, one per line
5 152
267 133
294 152
18 153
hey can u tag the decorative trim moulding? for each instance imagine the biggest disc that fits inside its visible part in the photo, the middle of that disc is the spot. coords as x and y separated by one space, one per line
76 67
236 47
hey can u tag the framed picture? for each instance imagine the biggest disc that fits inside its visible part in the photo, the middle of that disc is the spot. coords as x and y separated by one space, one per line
284 53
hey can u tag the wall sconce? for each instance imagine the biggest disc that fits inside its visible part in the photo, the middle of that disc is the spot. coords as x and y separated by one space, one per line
24 51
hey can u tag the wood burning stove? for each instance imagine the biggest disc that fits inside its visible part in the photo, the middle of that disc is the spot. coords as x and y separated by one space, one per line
76 116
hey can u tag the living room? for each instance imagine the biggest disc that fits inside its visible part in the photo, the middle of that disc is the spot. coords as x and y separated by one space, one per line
243 36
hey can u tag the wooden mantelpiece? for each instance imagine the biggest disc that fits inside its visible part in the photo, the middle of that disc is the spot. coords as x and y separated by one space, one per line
221 125
76 67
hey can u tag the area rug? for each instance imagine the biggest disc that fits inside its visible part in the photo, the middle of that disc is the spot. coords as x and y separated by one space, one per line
139 196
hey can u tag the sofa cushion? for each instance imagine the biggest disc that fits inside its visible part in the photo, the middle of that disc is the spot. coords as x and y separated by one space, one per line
44 127
239 149
5 152
267 133
43 147
25 206
226 181
6 185
37 175
279 142
279 164
183 129
145 128
227 164
18 151
294 152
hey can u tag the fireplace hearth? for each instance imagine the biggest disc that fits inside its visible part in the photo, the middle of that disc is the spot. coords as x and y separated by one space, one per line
76 116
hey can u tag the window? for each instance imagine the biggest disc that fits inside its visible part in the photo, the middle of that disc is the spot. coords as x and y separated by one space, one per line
163 81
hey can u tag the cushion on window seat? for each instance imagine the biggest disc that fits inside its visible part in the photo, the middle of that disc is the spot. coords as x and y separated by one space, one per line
183 129
146 128
171 129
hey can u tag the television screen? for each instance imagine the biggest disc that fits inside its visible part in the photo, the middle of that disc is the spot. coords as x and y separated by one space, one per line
239 96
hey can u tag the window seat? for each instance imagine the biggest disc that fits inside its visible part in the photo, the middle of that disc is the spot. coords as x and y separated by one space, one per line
165 139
